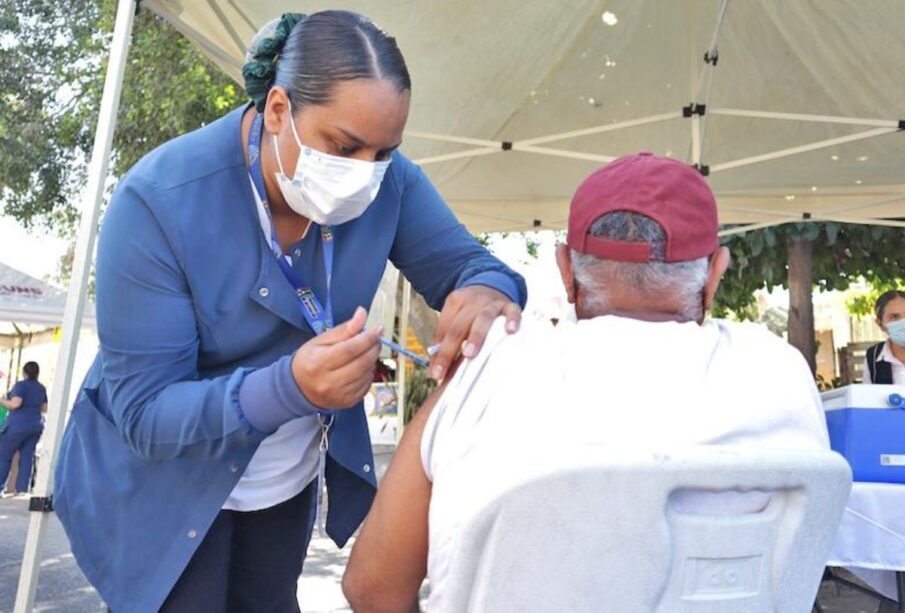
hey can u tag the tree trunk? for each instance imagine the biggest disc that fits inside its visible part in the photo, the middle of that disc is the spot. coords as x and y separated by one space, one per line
801 305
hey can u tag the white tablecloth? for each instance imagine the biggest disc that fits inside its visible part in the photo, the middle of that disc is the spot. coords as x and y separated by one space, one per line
871 537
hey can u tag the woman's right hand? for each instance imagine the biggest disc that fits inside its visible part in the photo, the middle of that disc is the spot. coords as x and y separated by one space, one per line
335 370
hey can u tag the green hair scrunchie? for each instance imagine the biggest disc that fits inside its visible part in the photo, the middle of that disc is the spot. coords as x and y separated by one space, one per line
261 65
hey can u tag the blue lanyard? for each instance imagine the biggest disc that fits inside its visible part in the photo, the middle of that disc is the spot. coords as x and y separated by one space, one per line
319 318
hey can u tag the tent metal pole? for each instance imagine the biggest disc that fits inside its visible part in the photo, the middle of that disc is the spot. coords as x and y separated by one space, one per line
713 49
9 378
851 121
237 40
823 144
458 155
487 147
705 80
75 303
242 14
866 205
742 209
218 54
758 226
696 140
562 153
21 345
867 221
461 140
619 125
507 220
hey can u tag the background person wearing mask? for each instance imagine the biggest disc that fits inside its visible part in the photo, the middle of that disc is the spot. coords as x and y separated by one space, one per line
26 402
190 469
885 362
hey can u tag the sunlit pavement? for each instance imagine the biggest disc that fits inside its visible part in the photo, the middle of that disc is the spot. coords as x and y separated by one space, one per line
63 588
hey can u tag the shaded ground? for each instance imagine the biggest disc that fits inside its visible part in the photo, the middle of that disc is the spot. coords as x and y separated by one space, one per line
63 588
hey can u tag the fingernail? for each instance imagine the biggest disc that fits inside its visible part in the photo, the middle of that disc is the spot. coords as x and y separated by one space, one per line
511 325
470 350
379 330
437 372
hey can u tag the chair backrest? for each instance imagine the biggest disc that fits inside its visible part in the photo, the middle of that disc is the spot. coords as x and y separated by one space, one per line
702 529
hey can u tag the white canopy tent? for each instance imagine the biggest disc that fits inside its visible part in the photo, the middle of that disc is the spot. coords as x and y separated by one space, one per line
26 300
794 110
795 114
30 310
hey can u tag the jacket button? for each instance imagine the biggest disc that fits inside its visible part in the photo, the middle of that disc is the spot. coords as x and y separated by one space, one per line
192 534
233 468
367 468
297 253
264 292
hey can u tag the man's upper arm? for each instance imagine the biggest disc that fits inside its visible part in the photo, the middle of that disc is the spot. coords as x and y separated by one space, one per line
389 559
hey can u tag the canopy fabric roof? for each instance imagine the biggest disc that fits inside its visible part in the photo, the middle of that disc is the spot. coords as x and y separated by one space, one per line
29 302
802 108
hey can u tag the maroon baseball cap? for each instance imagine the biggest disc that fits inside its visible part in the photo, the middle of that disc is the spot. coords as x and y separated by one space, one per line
673 194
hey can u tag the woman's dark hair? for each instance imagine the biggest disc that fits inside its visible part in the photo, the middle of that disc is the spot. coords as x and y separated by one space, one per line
884 299
307 56
31 370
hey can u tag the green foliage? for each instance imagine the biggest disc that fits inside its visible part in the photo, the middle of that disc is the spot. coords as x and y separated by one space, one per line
843 253
485 238
418 387
532 240
776 320
861 304
52 67
828 384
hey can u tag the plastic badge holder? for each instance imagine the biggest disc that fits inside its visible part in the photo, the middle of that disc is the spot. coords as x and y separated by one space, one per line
871 438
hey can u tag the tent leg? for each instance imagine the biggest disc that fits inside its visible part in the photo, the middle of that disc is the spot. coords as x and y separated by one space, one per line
21 345
75 302
402 361
9 372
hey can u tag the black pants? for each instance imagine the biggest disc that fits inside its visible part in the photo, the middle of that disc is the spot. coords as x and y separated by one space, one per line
248 561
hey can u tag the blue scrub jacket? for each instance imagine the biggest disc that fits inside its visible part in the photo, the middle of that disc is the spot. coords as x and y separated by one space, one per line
197 326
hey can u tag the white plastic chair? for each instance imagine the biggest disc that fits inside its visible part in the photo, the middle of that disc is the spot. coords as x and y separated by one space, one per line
664 532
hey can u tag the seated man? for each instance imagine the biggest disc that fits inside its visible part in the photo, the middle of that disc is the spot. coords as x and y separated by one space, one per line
641 367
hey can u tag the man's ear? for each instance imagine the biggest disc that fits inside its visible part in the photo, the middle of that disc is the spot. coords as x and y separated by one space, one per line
564 261
719 262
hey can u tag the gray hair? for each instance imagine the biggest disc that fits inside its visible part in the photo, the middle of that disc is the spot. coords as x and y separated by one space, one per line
683 281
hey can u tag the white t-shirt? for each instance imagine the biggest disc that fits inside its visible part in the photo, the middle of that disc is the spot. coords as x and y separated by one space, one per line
605 381
286 461
898 369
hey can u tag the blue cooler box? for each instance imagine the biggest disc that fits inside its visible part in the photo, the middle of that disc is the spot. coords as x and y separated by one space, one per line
867 426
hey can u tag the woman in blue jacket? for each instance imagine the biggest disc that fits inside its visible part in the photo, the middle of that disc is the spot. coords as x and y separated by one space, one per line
27 404
223 394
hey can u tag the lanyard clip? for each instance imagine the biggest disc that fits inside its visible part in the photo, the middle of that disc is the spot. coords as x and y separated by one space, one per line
325 421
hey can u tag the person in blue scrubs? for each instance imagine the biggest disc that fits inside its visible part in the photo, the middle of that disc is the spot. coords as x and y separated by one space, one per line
27 403
234 267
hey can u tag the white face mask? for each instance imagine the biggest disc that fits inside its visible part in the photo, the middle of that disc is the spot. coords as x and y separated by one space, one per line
327 189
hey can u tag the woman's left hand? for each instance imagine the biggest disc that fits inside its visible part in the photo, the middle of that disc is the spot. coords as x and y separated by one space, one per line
465 321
